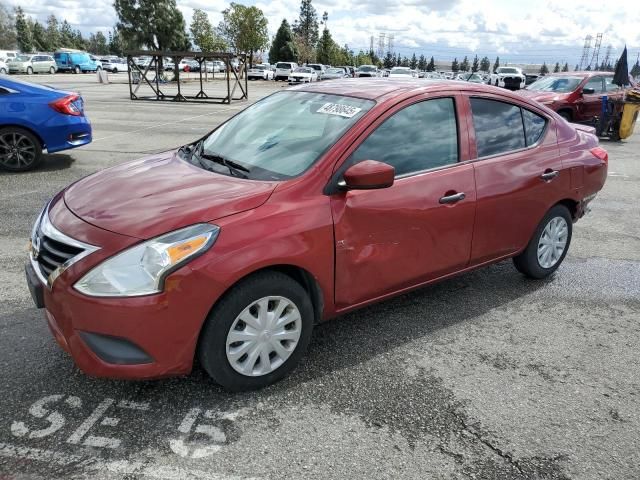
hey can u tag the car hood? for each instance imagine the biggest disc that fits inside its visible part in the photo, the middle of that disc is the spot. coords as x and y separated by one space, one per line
154 195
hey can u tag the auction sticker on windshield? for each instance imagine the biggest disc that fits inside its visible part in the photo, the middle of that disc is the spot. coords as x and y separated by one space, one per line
346 111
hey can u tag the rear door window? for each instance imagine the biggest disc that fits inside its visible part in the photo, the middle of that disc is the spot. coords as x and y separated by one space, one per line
498 125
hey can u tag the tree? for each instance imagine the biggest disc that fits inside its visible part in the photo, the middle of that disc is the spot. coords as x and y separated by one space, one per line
414 62
464 66
326 46
245 28
476 64
78 42
39 35
398 60
98 43
283 48
635 70
455 66
566 67
577 68
485 64
156 24
405 61
23 32
389 60
422 63
203 34
431 66
66 34
8 40
496 64
53 33
544 69
307 30
556 69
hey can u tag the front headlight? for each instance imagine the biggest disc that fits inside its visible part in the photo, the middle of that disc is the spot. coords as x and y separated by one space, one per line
141 270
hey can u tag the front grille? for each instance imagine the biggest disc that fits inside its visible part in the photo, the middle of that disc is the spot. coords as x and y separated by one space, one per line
53 253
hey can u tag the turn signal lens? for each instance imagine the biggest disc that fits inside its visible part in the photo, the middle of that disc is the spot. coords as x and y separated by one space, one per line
182 250
600 153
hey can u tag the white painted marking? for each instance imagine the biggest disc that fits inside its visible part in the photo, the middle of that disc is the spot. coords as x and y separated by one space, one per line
56 420
188 420
82 430
215 434
133 405
120 467
110 421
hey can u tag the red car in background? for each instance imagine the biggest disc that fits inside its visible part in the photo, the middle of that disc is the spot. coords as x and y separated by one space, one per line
310 203
576 96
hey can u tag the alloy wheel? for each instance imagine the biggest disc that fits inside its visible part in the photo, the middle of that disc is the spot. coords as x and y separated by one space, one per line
263 336
17 151
552 242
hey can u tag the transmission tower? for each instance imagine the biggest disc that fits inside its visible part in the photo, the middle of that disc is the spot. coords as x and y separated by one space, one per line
607 57
390 43
585 52
381 43
596 52
371 44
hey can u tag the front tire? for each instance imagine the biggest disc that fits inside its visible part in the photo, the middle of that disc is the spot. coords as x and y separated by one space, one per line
76 69
115 70
548 246
257 332
20 150
29 71
52 70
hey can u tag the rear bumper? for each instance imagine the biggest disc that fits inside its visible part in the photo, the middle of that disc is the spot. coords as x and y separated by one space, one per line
63 132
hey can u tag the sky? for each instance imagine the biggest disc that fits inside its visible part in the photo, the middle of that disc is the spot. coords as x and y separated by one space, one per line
519 31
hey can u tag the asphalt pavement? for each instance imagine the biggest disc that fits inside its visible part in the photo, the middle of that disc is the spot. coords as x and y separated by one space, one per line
485 376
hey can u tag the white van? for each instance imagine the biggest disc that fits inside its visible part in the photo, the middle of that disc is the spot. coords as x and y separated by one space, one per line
284 69
7 55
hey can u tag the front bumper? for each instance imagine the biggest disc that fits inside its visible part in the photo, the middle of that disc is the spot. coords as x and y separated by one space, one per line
128 337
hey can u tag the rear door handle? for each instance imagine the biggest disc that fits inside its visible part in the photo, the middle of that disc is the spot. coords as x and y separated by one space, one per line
548 176
453 198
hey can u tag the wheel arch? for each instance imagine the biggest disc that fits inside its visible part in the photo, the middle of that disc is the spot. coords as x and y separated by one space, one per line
28 129
572 205
566 110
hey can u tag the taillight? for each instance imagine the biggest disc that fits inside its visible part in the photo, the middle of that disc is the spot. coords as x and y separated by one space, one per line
66 105
600 153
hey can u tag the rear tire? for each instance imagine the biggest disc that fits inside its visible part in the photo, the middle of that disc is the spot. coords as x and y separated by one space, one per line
29 71
20 150
543 254
217 350
76 69
52 70
3 71
115 70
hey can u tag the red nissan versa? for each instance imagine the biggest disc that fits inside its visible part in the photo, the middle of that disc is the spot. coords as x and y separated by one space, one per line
576 96
312 202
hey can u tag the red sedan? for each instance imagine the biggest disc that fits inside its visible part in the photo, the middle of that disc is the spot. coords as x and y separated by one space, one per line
310 203
576 96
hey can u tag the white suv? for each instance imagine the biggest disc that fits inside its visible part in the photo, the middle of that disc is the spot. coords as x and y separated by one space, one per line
508 77
284 69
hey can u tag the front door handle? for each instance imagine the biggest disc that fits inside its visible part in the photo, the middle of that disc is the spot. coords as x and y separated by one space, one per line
453 198
548 176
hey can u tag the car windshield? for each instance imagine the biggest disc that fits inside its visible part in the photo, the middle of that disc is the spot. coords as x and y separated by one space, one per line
507 70
367 68
400 71
335 70
22 58
284 134
302 70
555 84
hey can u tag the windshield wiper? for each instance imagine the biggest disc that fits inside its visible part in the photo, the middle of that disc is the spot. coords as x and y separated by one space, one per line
235 169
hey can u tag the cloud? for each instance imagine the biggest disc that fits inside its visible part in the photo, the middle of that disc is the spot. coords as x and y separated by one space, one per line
532 31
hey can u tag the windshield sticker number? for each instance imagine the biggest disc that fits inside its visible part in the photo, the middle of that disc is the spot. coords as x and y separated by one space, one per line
346 111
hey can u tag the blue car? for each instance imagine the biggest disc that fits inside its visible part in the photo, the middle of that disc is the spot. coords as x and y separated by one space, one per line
36 117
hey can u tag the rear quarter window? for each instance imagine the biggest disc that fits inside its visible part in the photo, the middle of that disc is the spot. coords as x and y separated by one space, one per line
534 126
498 125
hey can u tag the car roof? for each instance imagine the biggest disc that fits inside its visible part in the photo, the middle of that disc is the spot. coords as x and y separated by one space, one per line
580 74
377 88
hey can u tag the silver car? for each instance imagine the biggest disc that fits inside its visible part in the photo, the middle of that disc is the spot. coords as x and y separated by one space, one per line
30 64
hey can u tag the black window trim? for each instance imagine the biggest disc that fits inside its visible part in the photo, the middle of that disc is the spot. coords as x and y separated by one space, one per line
527 147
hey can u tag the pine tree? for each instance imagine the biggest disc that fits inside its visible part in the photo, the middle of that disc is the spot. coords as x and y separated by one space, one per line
413 64
398 61
326 45
455 66
485 64
544 69
566 67
496 64
556 69
464 66
635 70
53 34
431 66
283 48
66 35
422 63
577 68
389 60
307 30
23 32
39 34
476 64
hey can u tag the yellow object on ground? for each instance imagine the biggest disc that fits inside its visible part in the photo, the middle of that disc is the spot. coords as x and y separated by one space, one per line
629 117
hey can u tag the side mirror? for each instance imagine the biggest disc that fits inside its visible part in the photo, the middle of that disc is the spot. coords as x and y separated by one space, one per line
368 175
588 91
